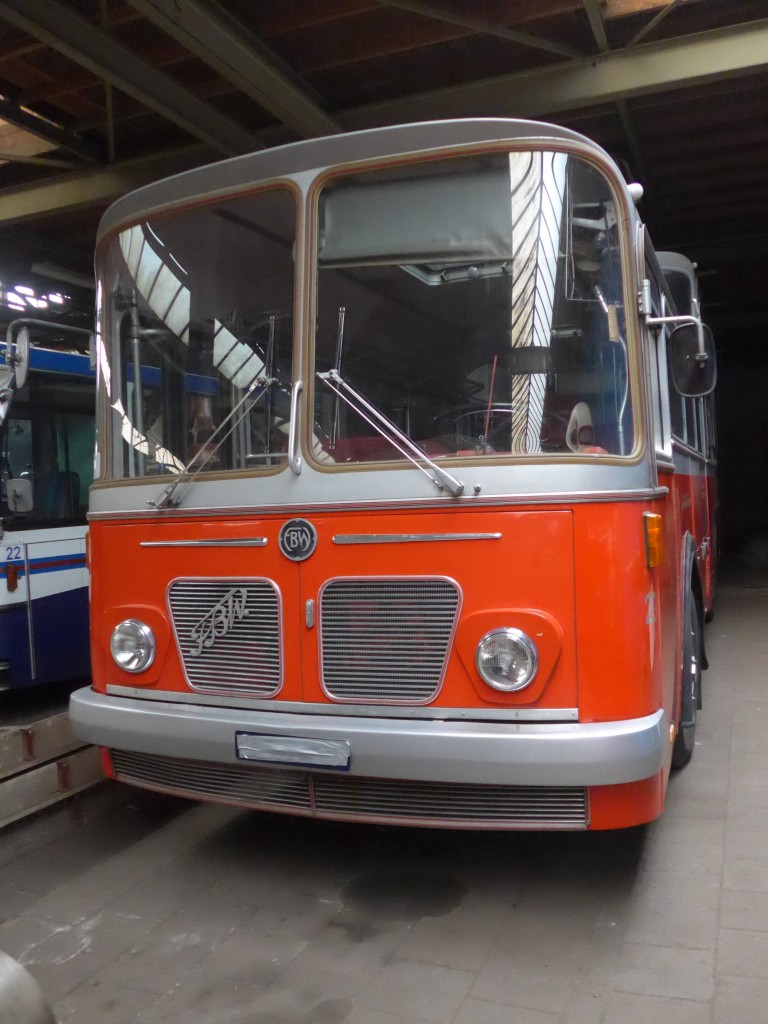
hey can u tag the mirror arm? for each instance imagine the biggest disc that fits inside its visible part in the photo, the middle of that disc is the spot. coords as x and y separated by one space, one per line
26 320
644 308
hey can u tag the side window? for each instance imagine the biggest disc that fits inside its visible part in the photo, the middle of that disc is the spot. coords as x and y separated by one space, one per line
701 418
708 407
17 456
48 439
691 423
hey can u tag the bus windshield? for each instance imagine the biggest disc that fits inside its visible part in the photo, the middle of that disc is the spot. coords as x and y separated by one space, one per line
474 306
477 304
200 320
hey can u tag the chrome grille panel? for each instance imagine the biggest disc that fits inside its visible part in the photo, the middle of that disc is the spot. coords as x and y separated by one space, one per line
383 799
386 639
397 801
228 634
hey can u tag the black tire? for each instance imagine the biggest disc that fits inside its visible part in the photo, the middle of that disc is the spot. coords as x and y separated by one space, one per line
690 686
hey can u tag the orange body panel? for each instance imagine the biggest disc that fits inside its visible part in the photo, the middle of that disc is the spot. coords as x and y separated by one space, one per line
578 578
630 804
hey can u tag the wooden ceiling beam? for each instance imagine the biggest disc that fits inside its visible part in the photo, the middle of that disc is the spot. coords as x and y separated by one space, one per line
649 27
98 187
626 8
283 19
483 27
650 68
212 35
41 127
60 28
597 24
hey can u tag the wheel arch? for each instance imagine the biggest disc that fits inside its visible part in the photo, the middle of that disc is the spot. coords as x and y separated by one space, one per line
691 588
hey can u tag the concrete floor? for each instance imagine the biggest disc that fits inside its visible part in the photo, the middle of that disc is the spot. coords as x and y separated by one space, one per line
157 910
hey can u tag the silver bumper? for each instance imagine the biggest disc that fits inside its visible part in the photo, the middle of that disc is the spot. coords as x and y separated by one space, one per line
434 750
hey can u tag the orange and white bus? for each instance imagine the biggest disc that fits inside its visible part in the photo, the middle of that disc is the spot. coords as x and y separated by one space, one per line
389 522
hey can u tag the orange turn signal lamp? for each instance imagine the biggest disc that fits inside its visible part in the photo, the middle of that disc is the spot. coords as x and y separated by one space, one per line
654 539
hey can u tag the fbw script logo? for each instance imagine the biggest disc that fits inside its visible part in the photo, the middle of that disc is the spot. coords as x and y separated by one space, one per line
298 539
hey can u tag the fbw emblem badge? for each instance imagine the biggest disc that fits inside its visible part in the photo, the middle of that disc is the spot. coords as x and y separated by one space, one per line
298 539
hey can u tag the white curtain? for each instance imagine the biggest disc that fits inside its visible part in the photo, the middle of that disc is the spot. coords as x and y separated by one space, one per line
537 182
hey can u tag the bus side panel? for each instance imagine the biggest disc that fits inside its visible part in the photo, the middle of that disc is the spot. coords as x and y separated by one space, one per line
625 612
52 599
632 803
14 646
60 624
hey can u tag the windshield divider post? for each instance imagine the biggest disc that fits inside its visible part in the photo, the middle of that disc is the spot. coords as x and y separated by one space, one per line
294 459
337 368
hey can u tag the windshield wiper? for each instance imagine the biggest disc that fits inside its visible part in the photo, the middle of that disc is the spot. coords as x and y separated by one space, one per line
167 498
391 433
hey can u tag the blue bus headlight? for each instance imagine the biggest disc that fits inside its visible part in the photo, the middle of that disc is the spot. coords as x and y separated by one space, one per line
507 659
133 645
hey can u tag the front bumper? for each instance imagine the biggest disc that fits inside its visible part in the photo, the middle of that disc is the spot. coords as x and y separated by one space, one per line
429 750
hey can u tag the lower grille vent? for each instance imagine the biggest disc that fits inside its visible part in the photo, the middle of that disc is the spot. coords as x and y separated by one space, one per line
398 801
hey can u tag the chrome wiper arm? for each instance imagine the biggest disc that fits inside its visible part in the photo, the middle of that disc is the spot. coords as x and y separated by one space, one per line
391 433
167 498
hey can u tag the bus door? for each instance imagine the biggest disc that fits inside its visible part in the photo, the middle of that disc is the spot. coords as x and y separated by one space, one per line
387 597
57 608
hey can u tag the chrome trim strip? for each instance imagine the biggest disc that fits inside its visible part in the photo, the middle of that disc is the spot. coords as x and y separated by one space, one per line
564 754
687 449
219 542
407 538
358 710
514 501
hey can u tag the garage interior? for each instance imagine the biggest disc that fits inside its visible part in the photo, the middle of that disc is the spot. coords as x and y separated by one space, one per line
101 96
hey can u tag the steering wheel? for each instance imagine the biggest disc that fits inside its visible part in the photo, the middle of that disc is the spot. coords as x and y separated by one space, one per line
467 424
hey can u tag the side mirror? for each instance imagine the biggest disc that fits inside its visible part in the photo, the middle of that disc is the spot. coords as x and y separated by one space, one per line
19 490
693 366
21 357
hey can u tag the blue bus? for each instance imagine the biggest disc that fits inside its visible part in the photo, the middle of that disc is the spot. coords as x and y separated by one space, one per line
46 468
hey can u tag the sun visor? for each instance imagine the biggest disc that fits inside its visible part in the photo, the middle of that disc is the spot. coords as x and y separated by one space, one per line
454 217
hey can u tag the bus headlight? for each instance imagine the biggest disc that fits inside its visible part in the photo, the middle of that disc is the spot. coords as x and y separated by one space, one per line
133 645
507 659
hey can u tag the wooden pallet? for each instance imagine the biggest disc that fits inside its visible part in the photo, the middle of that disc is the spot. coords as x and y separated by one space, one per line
42 763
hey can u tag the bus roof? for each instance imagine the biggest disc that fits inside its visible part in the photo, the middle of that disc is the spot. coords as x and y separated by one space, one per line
238 172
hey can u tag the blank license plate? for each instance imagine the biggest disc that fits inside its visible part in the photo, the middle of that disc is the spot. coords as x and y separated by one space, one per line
296 750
